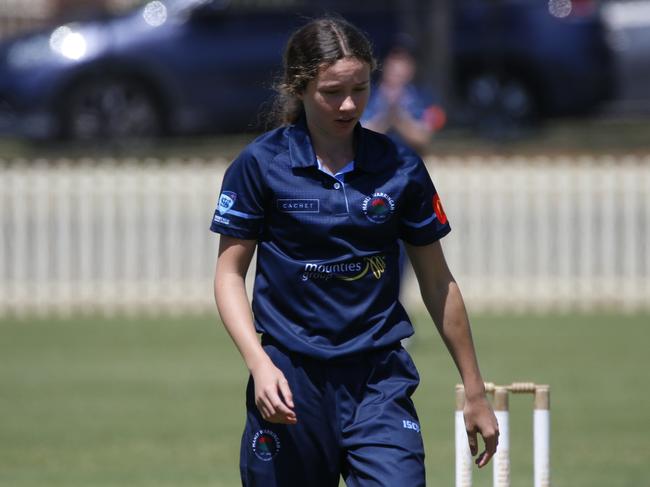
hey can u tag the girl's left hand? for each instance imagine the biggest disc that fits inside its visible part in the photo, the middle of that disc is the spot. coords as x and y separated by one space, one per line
479 418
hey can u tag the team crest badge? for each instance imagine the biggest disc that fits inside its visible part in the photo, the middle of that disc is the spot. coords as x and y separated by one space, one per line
266 445
226 202
378 208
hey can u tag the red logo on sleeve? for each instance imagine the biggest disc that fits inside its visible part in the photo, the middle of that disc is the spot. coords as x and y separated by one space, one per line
437 207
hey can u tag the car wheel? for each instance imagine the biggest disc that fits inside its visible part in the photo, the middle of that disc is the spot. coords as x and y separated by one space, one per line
111 109
500 106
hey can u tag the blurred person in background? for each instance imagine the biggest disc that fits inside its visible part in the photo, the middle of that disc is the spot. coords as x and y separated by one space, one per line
324 202
397 107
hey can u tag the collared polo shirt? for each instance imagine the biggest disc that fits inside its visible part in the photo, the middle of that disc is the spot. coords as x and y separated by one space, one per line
327 276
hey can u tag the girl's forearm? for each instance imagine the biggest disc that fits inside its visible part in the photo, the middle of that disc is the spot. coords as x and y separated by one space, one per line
447 309
234 308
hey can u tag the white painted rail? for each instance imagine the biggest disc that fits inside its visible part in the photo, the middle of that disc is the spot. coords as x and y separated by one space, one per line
132 236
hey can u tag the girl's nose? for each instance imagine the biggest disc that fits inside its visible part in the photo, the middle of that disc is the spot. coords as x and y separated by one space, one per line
348 105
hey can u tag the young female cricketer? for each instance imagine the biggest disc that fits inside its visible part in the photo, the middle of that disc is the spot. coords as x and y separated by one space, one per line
325 201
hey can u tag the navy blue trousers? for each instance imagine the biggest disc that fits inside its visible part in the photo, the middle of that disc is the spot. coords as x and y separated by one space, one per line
356 419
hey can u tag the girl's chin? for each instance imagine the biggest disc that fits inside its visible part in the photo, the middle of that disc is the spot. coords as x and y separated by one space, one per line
345 126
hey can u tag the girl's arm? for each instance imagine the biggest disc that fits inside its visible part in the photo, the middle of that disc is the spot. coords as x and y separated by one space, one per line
445 304
272 393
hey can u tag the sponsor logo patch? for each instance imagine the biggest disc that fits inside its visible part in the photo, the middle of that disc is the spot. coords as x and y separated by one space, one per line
410 425
220 219
265 445
378 208
299 205
226 202
347 271
437 208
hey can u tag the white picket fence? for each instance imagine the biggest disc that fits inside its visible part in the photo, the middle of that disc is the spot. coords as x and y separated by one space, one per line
132 236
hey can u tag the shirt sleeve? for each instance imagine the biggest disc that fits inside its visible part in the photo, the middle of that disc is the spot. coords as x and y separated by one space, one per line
239 210
423 219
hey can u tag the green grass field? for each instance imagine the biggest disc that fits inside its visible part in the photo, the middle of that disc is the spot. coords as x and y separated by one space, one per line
159 402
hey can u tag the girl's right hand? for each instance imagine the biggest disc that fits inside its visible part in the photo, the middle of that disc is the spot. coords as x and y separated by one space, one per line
273 396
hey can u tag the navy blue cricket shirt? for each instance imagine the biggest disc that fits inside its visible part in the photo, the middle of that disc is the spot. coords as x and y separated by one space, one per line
327 279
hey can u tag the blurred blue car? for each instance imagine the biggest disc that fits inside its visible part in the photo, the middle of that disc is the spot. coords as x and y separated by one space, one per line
520 60
178 66
202 66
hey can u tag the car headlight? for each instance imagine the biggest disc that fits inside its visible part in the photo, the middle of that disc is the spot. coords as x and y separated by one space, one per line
64 42
68 43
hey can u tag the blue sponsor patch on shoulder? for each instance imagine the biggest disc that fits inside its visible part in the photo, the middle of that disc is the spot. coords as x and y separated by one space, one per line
299 205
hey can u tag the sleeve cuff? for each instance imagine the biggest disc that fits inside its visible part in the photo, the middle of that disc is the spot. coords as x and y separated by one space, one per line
422 239
234 232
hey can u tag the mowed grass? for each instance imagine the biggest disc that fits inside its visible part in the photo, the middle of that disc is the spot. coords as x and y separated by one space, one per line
159 402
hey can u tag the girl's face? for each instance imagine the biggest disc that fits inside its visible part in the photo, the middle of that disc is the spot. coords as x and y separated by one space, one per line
335 100
399 70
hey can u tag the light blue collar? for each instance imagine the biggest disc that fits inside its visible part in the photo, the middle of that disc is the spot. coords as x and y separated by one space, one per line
340 175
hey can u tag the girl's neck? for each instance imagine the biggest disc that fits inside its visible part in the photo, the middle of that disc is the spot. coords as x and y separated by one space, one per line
334 154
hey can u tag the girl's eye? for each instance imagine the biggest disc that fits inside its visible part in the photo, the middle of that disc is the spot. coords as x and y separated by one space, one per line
361 88
330 92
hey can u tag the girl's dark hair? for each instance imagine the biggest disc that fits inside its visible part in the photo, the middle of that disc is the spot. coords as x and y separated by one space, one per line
319 43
